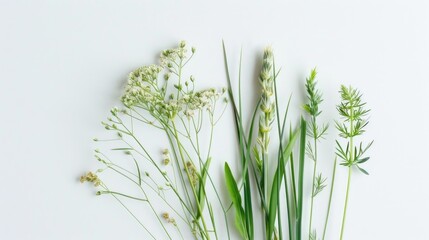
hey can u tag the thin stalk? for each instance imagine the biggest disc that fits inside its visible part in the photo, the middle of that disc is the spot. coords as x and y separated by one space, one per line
206 232
124 195
196 149
112 166
346 202
330 198
314 174
281 157
265 185
301 179
349 176
134 216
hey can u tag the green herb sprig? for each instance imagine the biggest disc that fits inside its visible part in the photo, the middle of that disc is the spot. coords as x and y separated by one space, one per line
352 112
315 132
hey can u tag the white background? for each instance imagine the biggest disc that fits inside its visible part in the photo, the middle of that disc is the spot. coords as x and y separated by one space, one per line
63 65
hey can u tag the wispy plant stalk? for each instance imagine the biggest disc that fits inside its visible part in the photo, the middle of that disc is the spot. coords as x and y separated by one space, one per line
316 132
352 112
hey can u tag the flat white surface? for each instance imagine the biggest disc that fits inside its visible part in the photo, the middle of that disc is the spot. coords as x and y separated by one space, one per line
63 64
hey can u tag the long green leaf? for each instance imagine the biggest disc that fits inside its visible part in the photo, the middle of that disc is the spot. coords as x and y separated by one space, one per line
201 187
301 177
234 193
274 189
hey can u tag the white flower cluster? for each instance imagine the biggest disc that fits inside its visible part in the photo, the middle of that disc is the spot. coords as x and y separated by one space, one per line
146 89
168 57
202 99
140 86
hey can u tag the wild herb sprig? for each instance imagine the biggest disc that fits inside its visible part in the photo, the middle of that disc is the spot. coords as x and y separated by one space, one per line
269 188
352 111
316 132
160 96
266 118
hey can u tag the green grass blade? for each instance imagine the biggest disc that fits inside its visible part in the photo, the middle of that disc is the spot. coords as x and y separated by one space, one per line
244 218
234 193
292 175
239 84
248 211
201 187
274 193
280 155
301 177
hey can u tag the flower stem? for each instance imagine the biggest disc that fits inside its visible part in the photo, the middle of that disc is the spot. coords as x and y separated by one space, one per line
346 202
314 175
206 232
351 159
330 198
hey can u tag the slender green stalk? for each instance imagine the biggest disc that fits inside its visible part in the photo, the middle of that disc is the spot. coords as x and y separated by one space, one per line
244 216
313 185
346 203
351 114
206 232
330 198
312 108
280 157
352 111
134 216
301 179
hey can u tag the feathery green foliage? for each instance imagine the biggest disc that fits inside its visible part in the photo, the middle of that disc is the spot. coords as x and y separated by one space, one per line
352 112
316 132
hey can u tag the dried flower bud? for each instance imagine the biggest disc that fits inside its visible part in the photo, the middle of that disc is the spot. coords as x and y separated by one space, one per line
90 177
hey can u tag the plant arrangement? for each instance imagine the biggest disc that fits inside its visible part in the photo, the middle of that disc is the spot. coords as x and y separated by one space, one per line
162 97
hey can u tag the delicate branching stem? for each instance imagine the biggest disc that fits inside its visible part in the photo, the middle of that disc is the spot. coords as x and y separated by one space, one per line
312 108
314 178
134 216
352 111
206 232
